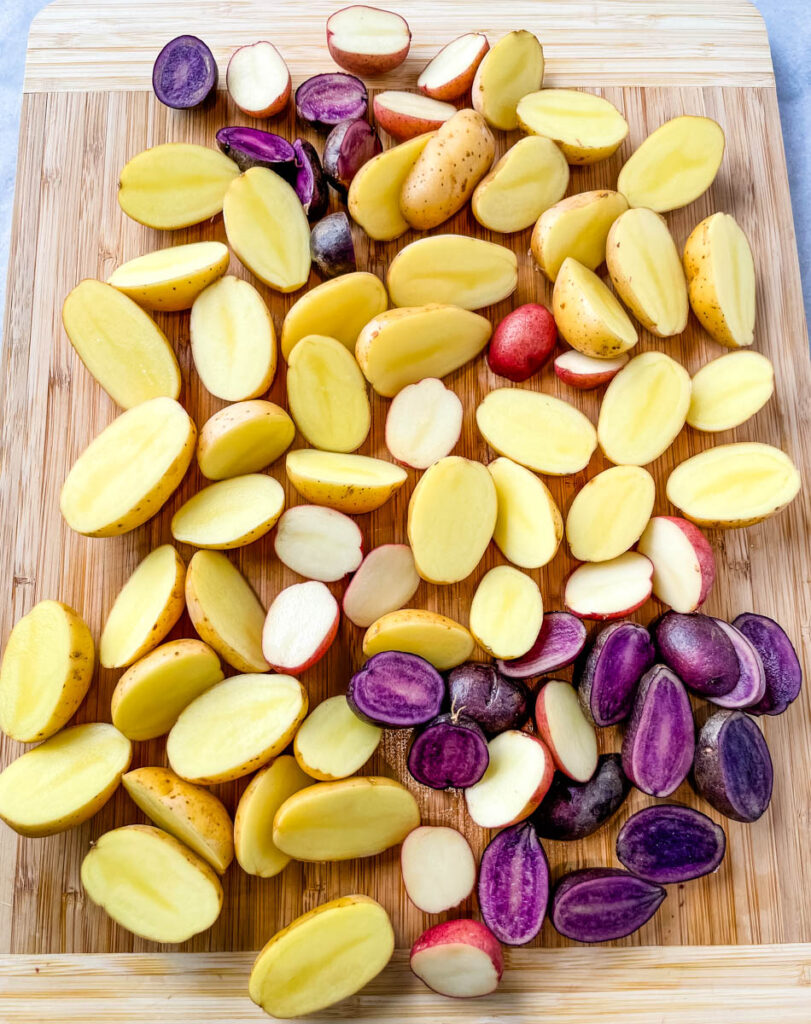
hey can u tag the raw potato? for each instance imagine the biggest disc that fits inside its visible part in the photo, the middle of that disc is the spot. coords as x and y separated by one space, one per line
588 314
385 581
151 884
243 438
536 430
586 127
256 852
729 390
333 742
439 640
674 165
120 344
510 69
129 471
230 513
403 346
424 423
326 394
506 612
531 176
646 271
171 279
374 194
643 409
734 484
408 115
65 780
529 526
450 73
577 226
609 514
721 280
338 308
348 483
322 957
175 185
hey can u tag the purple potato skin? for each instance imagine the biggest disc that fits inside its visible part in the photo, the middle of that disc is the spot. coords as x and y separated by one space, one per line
311 182
185 73
483 693
252 147
621 654
781 666
396 690
600 904
751 684
331 246
659 743
560 641
514 885
670 843
573 810
733 768
450 752
349 146
325 100
699 652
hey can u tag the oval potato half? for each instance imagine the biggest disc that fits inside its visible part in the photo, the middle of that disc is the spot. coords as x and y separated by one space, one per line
586 127
531 176
243 438
577 226
338 309
440 640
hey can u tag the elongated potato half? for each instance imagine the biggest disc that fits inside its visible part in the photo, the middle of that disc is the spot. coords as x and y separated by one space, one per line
403 346
588 314
175 185
734 485
440 640
338 309
256 852
326 394
646 271
129 471
729 390
348 483
65 780
145 609
267 228
171 279
531 176
536 430
230 513
333 742
721 280
577 226
151 694
120 344
45 673
506 613
509 70
586 127
674 165
232 340
609 513
644 409
190 813
322 957
374 194
225 611
243 438
529 526
151 884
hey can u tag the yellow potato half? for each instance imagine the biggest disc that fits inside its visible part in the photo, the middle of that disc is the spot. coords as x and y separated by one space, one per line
374 194
588 314
230 513
171 279
506 613
243 438
610 513
531 176
586 127
256 852
438 639
338 309
729 390
529 526
348 483
510 69
577 226
333 742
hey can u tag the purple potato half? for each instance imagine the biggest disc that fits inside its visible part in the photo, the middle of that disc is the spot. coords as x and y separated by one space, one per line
733 767
396 690
574 810
620 655
781 666
349 146
311 182
184 73
670 843
699 652
325 100
252 147
449 753
600 904
514 885
331 246
483 693
560 641
751 684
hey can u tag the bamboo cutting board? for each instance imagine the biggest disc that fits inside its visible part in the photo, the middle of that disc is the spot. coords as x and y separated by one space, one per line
87 108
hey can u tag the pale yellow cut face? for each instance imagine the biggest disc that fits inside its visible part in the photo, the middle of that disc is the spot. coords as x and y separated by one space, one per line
577 226
586 127
510 69
729 390
333 742
230 513
588 314
440 640
529 526
507 612
531 176
349 483
609 514
171 279
253 824
243 438
338 309
374 194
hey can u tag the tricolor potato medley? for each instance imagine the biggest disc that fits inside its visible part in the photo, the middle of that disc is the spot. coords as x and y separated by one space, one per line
480 496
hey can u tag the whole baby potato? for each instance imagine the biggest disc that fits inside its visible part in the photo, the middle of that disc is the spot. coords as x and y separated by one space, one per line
522 342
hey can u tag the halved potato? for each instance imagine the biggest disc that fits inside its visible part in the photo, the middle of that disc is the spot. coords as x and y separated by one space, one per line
734 484
577 226
506 613
529 526
65 780
438 639
338 309
588 314
643 409
333 742
243 438
536 430
510 69
374 194
230 513
45 673
729 390
171 279
256 852
610 513
586 127
349 483
530 177
129 471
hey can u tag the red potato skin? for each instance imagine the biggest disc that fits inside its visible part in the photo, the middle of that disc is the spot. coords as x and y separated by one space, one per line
542 722
603 617
542 788
459 85
317 655
703 552
402 126
522 342
467 932
365 63
278 104
584 381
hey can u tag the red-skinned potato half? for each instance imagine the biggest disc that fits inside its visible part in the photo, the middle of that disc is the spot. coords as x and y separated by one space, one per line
451 72
258 80
586 372
609 590
405 115
683 562
522 342
300 626
367 40
459 958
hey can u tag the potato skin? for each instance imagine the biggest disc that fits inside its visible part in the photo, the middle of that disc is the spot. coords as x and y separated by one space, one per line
592 213
576 322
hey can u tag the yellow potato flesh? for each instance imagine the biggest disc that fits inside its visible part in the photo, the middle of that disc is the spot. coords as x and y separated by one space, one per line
438 639
536 430
326 393
729 390
256 852
506 613
129 470
230 513
323 957
644 409
65 780
45 673
348 483
338 309
588 314
510 69
374 194
531 176
451 518
342 820
151 884
529 526
333 742
171 279
267 229
586 127
609 514
243 438
175 185
576 227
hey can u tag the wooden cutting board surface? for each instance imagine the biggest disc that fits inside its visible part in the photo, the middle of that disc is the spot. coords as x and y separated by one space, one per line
88 108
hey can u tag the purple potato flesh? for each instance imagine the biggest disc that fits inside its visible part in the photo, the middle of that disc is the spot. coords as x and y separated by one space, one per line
699 652
670 843
252 147
482 693
311 182
325 100
600 904
514 885
184 73
781 666
619 657
574 810
751 684
331 246
396 690
349 146
560 641
449 753
733 767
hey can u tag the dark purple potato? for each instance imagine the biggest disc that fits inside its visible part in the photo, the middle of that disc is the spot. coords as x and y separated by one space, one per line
751 684
331 246
349 146
483 693
514 885
252 147
449 753
560 641
311 182
184 73
733 768
621 654
573 810
699 652
659 743
599 904
670 843
396 690
781 666
325 100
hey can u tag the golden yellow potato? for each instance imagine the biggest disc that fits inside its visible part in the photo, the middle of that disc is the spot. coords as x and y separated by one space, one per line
577 226
529 526
243 438
729 390
588 314
171 279
374 194
230 513
586 127
333 742
438 639
609 513
349 483
256 852
510 69
338 308
531 176
506 613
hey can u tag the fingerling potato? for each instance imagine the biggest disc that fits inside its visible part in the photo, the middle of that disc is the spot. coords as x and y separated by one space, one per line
171 279
374 194
253 823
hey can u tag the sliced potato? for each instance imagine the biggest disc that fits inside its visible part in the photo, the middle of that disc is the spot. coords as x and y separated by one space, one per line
610 513
243 438
256 852
374 194
506 613
348 483
171 279
338 309
577 226
586 127
509 70
333 742
435 637
129 471
588 314
531 176
65 780
230 513
729 390
529 526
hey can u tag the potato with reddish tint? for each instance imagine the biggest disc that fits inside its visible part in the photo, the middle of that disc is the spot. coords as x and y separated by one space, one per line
450 73
367 40
522 342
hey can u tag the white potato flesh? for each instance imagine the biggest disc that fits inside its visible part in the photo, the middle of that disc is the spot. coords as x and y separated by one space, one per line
386 580
333 742
423 423
318 543
438 867
506 792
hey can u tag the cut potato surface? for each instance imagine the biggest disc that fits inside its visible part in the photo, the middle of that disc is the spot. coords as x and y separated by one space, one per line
256 852
529 526
729 390
171 279
609 590
318 543
423 423
333 742
516 779
386 580
586 127
129 470
440 640
236 727
230 513
151 884
536 430
531 176
578 227
45 673
734 484
409 115
588 314
243 438
367 40
338 309
348 483
450 73
609 514
374 194
506 612
438 867
301 625
512 68
120 344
